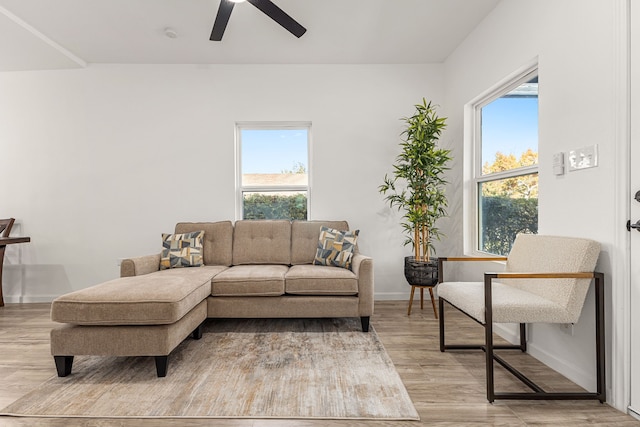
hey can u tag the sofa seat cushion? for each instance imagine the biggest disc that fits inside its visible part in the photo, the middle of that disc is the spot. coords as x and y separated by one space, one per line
159 298
250 280
510 305
320 280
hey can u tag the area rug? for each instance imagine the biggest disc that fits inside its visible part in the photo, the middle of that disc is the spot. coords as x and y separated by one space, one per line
241 368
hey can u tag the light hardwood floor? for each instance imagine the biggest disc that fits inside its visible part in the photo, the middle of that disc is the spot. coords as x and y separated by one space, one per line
446 388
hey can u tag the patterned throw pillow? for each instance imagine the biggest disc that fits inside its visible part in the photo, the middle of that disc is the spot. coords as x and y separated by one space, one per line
181 250
335 247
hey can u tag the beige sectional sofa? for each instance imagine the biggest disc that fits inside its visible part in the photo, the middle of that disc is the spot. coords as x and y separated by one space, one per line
252 269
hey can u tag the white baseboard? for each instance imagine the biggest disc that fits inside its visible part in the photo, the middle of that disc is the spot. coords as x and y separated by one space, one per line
17 299
583 378
391 296
510 334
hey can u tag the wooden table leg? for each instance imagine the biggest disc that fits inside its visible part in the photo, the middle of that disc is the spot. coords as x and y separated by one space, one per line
4 241
433 302
413 289
2 248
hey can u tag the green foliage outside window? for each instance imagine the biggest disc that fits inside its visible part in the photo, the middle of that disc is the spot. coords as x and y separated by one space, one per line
272 206
508 206
504 217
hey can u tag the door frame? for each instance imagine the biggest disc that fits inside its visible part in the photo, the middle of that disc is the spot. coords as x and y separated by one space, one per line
620 329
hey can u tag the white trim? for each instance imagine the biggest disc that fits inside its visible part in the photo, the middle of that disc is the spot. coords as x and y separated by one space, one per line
585 379
496 176
507 83
469 189
392 296
267 188
473 157
238 178
276 125
620 328
21 299
81 62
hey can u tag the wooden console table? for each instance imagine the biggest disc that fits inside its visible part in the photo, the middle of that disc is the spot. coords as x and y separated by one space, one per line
4 241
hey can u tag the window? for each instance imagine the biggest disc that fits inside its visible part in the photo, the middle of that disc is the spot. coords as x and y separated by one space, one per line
273 170
506 169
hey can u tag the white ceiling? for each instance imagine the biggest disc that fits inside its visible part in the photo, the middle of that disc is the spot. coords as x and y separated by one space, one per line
53 34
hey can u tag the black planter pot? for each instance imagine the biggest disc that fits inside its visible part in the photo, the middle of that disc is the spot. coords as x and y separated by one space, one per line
420 272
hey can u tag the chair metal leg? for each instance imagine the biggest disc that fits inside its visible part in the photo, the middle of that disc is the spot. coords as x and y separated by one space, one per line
2 248
490 356
600 343
538 393
441 323
488 338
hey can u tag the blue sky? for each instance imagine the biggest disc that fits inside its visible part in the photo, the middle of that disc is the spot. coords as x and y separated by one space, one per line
509 125
273 150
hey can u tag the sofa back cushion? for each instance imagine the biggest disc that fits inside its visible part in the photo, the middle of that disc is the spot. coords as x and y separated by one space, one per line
218 240
304 239
262 242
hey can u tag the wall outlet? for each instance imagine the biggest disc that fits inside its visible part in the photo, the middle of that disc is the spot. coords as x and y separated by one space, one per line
567 328
583 158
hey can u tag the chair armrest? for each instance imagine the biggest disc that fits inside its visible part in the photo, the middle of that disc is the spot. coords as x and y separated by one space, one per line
441 261
488 278
140 265
469 258
362 267
560 275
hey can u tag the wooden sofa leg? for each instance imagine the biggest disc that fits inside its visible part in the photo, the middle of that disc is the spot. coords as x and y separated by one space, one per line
197 332
161 365
365 323
63 365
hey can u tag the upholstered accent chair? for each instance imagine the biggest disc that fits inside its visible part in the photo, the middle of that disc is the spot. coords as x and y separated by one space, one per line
546 280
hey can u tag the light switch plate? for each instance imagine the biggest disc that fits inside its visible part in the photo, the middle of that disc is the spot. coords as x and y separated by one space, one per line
583 158
558 163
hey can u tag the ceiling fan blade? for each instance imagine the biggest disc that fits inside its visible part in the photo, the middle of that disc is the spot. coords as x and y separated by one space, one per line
222 19
278 15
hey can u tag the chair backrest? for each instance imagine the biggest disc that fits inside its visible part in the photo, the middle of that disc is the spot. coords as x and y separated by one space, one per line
5 226
534 253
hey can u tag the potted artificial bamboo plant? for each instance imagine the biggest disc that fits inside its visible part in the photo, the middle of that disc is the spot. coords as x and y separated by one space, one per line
416 187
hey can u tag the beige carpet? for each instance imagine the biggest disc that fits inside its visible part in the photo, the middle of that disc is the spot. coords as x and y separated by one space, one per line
266 368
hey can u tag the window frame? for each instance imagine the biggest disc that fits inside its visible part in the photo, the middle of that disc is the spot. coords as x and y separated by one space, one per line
268 125
473 176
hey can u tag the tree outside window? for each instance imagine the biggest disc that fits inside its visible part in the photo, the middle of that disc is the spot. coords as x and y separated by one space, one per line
273 172
507 178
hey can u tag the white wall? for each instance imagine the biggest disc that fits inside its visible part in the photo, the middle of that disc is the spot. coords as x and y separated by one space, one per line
574 41
98 162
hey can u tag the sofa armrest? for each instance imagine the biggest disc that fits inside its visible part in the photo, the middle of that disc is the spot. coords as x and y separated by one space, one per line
139 265
362 266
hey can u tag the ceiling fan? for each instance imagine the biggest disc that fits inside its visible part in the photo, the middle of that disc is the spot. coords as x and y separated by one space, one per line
266 6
